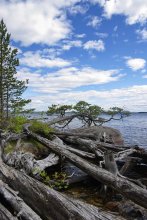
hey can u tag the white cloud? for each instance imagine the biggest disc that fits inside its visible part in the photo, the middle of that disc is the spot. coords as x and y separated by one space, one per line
70 44
131 98
82 9
35 21
94 22
136 63
94 45
36 60
142 34
68 78
80 35
134 10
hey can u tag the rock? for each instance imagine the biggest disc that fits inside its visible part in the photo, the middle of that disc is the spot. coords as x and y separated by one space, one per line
111 135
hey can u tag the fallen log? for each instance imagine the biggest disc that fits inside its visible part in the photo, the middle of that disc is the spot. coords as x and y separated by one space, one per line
27 162
81 153
5 214
125 187
73 134
48 203
20 209
84 144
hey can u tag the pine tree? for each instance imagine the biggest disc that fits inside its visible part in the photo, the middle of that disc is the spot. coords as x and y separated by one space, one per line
11 88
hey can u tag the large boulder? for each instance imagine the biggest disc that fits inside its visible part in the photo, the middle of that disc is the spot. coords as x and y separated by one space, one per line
106 134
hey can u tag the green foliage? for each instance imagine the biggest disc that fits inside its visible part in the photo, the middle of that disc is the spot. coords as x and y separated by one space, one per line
81 106
60 180
56 181
59 109
87 113
11 89
16 124
9 148
118 111
41 128
88 109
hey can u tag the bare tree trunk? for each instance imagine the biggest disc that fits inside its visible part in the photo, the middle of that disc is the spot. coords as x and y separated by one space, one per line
125 187
20 209
46 202
5 214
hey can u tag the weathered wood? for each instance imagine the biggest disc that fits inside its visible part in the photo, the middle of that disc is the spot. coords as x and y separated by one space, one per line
125 187
73 134
125 153
27 162
61 119
5 214
84 144
48 203
81 153
129 164
21 210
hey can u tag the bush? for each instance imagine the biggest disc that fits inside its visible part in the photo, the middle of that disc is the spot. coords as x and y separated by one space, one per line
16 124
41 128
9 148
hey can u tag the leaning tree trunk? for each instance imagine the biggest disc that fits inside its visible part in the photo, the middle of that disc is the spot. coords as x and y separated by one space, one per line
125 187
47 203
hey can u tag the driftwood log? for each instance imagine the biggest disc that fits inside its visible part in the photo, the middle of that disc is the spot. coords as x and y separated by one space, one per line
27 162
47 203
125 187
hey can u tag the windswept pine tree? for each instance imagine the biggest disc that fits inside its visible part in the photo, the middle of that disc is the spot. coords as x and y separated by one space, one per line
11 88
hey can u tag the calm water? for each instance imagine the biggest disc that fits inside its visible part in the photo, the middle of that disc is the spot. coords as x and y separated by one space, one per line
133 128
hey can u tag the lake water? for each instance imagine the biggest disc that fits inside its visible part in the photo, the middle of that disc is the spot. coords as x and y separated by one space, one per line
132 128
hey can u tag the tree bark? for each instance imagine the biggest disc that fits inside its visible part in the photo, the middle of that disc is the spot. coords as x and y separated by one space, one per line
125 187
48 203
5 214
27 162
20 209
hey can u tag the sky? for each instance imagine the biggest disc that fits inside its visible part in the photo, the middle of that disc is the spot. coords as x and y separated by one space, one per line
72 50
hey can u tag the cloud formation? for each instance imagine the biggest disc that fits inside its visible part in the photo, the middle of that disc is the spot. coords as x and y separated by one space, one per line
137 96
35 21
136 63
37 60
142 34
94 22
94 45
134 10
68 78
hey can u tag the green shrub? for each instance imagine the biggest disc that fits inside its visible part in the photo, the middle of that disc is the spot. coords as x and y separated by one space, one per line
16 124
41 128
9 148
56 181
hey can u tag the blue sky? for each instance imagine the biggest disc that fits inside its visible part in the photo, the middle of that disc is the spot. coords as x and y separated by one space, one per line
91 50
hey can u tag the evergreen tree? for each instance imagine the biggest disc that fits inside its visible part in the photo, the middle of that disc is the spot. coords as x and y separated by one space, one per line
11 88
